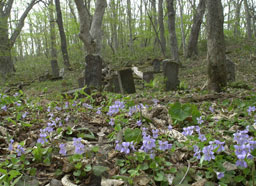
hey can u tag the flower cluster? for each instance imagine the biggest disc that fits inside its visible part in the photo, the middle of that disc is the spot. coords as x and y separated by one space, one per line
20 150
135 108
245 144
114 109
124 147
63 150
79 147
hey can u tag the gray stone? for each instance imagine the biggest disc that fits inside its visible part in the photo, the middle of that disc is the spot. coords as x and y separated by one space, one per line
171 72
93 71
231 70
126 81
55 182
148 76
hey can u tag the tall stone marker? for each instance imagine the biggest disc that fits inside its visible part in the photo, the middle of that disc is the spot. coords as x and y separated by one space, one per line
171 72
126 81
93 71
148 76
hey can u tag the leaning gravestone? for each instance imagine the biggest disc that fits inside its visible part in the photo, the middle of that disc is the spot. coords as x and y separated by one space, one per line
156 65
171 72
126 81
93 71
148 76
231 70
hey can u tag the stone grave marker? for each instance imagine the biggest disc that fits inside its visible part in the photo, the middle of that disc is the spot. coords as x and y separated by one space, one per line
171 72
126 81
156 65
93 71
148 76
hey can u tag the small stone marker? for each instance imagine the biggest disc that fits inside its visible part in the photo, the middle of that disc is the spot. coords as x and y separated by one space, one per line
113 84
148 76
231 70
126 81
171 72
93 71
156 65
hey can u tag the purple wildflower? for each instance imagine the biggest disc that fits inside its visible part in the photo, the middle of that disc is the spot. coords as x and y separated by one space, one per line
164 145
86 105
169 127
220 175
58 108
24 115
125 147
200 120
211 109
202 137
114 109
139 123
188 131
11 145
98 111
197 152
112 122
208 153
20 150
63 150
4 108
251 109
79 147
241 163
155 101
155 133
148 143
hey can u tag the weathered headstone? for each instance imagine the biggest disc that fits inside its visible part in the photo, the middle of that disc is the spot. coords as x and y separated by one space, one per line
148 76
231 70
126 81
156 65
113 84
171 72
93 71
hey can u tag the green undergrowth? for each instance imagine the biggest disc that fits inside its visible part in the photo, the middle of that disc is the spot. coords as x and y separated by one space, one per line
129 138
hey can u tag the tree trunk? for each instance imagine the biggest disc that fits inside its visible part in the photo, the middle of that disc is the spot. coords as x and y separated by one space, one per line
62 36
90 34
6 44
215 46
182 28
195 30
172 31
161 26
248 20
129 13
54 62
238 5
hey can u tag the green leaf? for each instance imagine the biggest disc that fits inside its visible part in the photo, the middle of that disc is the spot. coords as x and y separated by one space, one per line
13 174
99 170
16 180
77 173
173 170
132 135
159 176
239 178
88 168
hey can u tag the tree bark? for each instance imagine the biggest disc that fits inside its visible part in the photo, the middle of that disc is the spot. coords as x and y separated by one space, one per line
215 46
171 25
161 25
238 5
182 28
63 40
129 13
54 62
248 20
6 44
90 34
195 30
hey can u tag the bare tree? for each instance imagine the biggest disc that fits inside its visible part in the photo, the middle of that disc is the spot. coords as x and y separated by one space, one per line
6 44
215 46
172 31
62 36
161 25
195 30
90 34
248 20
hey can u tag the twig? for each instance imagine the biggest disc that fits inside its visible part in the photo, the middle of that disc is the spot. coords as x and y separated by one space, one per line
185 173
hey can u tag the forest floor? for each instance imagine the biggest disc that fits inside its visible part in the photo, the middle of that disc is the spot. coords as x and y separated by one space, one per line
153 137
